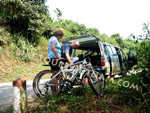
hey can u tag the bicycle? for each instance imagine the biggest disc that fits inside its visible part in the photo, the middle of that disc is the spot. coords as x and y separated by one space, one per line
67 78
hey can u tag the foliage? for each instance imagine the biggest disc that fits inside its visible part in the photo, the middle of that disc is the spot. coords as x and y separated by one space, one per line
23 50
4 37
72 29
143 57
111 41
122 90
47 29
115 35
66 102
25 17
116 99
59 13
143 54
93 31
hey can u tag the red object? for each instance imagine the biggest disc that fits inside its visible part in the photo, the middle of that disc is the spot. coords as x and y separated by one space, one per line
102 63
20 82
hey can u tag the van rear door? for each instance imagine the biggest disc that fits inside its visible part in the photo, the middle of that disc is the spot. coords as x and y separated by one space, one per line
115 66
115 61
107 60
124 62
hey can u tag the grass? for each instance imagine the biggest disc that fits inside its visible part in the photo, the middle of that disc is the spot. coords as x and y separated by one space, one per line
117 99
21 70
83 100
11 68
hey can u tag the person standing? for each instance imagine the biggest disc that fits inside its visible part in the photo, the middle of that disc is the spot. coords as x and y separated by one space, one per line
54 45
54 48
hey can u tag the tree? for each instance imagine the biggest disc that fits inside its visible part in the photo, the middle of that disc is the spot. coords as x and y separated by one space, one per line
82 29
25 17
115 35
120 42
59 13
93 31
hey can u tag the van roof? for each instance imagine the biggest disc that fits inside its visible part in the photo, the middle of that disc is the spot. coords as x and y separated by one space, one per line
87 42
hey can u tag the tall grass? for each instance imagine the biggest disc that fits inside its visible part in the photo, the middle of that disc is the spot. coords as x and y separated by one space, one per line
117 99
4 37
23 50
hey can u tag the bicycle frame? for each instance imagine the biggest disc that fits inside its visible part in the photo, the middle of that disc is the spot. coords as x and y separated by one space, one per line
74 72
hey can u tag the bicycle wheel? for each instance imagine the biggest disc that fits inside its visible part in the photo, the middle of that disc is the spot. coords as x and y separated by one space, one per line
97 82
42 85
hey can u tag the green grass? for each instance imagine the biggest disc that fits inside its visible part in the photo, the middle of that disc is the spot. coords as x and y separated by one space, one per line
117 99
83 100
27 71
13 67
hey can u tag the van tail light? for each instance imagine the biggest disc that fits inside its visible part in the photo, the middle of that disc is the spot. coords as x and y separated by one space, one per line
102 61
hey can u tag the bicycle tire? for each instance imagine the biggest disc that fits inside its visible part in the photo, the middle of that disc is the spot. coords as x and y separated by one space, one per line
97 83
41 87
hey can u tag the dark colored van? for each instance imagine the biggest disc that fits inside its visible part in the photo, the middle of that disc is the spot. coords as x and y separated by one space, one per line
110 59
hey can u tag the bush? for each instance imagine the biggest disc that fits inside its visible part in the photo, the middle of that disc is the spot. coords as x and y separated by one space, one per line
23 50
143 57
4 37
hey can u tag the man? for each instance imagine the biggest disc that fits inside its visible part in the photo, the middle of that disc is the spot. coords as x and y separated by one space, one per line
66 50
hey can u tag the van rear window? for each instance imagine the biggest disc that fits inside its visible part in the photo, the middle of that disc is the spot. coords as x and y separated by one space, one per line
110 51
114 50
106 50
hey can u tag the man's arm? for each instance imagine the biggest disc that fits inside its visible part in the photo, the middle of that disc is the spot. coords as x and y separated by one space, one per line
68 58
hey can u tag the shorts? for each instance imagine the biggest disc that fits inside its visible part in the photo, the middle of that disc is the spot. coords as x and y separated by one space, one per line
55 64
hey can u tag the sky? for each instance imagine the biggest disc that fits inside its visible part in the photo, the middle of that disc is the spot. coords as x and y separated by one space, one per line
108 16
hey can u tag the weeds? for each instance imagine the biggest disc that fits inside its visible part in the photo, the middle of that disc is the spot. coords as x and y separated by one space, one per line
83 100
4 37
23 50
117 99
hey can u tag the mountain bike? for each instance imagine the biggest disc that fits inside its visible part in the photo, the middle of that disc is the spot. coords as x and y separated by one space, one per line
53 82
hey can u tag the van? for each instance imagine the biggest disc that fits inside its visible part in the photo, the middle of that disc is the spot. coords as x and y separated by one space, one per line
109 59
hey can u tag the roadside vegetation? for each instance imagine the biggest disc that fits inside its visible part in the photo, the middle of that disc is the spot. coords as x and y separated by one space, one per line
117 99
25 27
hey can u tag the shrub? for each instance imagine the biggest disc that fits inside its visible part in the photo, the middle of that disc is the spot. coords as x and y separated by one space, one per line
4 37
143 57
23 50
